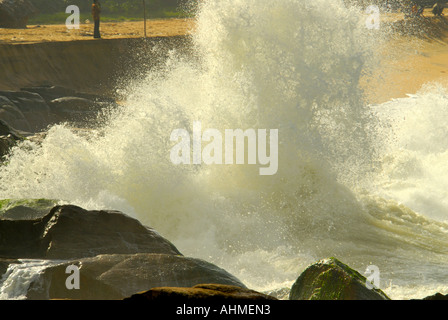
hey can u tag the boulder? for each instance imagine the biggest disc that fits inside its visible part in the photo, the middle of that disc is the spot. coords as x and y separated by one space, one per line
70 232
49 93
7 130
208 292
13 116
26 209
330 279
4 264
72 104
32 106
6 143
8 138
15 13
120 276
437 296
76 108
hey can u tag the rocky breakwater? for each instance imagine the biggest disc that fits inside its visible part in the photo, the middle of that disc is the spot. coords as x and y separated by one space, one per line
30 111
116 255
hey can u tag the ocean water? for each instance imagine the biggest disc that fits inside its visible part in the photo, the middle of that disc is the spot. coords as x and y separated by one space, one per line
364 183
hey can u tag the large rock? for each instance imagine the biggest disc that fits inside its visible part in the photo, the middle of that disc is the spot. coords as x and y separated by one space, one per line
26 209
330 279
69 232
49 93
6 143
208 292
437 296
13 116
72 105
7 130
15 13
120 276
77 109
5 263
8 138
32 106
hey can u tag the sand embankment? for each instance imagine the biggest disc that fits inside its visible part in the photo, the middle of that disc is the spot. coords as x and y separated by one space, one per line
411 53
72 58
415 53
89 66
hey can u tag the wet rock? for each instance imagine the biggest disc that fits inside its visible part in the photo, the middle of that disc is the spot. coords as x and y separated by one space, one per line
69 232
13 116
76 109
6 143
72 104
8 138
26 209
437 296
7 130
330 279
49 93
33 107
15 13
119 276
208 292
4 264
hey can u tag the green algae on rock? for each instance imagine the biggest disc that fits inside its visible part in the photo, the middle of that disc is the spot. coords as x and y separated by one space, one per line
26 209
330 279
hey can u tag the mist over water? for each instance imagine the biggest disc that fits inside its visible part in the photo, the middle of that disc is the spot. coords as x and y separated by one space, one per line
356 181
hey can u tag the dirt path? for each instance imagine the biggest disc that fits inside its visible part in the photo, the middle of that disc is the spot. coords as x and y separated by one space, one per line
110 30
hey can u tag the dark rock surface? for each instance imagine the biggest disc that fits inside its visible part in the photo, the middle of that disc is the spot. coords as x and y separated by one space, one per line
207 292
75 108
26 209
437 296
34 109
15 13
116 255
28 113
119 276
7 130
70 232
8 138
330 279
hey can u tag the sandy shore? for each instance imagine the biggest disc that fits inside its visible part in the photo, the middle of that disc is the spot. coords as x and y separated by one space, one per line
406 65
407 62
110 30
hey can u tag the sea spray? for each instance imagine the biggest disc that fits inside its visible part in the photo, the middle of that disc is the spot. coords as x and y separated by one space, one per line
285 64
20 276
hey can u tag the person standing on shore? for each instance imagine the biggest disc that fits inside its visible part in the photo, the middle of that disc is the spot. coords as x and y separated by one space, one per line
96 10
437 9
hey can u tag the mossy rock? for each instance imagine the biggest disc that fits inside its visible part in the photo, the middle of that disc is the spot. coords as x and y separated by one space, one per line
26 209
330 279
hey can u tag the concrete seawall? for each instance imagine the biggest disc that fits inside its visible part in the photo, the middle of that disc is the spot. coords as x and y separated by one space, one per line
86 65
